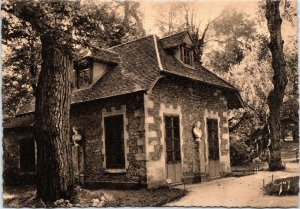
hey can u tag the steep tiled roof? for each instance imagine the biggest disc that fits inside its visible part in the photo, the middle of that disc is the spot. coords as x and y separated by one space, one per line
173 65
136 71
105 55
139 64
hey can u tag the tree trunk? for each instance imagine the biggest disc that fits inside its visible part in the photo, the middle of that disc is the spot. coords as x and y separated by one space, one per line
275 98
54 166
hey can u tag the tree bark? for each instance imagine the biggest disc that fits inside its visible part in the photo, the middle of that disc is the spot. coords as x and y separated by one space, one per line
275 98
54 165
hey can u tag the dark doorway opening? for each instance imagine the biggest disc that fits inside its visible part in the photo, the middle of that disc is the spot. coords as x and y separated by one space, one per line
27 156
213 148
114 142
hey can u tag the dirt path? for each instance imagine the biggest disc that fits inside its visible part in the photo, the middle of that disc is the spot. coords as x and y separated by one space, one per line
239 192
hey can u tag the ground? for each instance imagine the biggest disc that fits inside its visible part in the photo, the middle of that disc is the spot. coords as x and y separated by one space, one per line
24 196
246 191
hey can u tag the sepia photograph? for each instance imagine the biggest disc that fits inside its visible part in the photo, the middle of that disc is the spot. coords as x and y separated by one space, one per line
150 103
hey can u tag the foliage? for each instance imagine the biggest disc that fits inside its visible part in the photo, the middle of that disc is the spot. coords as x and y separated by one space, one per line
95 24
182 16
234 32
65 29
20 62
239 153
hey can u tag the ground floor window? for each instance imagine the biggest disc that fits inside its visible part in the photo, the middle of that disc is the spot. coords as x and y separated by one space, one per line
114 142
27 155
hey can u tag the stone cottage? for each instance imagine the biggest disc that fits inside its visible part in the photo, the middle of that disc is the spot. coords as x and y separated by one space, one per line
134 110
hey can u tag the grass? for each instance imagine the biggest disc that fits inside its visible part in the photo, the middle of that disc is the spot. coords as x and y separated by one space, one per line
24 196
273 189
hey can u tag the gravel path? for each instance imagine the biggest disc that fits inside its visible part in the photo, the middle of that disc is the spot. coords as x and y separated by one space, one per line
239 191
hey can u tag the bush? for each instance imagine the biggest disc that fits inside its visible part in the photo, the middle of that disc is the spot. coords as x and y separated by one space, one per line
291 188
240 153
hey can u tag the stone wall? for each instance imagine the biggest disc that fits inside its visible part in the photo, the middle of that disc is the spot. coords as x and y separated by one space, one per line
88 118
11 157
192 102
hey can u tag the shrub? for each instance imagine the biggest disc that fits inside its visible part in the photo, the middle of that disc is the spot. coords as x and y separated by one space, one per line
291 188
239 153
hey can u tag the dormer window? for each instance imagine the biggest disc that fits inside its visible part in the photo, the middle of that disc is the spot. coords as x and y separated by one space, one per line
187 55
83 78
83 73
88 71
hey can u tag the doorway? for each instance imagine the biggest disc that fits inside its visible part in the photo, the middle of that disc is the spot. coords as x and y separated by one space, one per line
213 148
173 148
114 142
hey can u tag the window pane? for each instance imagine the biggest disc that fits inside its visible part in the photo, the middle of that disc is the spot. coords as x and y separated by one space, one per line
176 122
84 78
176 133
168 121
168 133
177 156
177 144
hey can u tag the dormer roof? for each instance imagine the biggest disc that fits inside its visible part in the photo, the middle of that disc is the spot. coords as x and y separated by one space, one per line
173 40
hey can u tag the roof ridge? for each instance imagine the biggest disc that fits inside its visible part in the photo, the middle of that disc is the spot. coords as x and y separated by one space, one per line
157 52
128 42
174 34
105 49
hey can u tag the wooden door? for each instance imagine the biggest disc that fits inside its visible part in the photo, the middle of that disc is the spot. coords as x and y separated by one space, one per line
114 142
173 149
213 148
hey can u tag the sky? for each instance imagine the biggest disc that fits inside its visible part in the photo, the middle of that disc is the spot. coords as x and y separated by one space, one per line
205 9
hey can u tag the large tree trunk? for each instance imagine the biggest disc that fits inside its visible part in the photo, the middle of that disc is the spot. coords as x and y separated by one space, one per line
54 167
276 95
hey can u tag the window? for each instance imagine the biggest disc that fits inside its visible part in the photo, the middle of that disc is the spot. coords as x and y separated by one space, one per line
172 139
27 155
83 78
187 56
213 139
114 142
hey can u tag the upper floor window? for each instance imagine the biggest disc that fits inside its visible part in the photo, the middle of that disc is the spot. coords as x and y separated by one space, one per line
83 78
88 71
187 56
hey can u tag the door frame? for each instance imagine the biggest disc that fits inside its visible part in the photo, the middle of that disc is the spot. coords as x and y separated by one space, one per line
164 141
114 112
